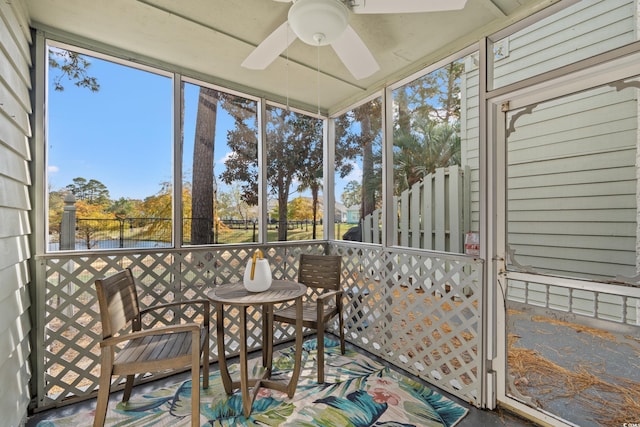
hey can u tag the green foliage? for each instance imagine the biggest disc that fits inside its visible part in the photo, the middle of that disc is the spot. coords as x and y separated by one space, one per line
432 145
73 67
56 207
124 207
359 137
92 191
427 126
352 194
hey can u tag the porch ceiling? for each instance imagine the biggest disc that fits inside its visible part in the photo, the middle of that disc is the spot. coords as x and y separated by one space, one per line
213 37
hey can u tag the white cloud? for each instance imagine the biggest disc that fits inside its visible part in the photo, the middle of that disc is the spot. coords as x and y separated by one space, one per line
53 169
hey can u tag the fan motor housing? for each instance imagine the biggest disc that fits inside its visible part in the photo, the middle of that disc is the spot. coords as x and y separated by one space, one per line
318 22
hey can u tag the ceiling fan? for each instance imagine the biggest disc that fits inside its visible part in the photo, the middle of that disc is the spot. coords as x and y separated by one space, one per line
326 22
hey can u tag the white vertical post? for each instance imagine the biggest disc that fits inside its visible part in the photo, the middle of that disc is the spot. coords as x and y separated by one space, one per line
68 225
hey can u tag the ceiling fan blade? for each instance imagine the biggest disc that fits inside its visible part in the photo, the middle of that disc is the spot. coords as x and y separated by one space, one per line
355 54
406 6
270 48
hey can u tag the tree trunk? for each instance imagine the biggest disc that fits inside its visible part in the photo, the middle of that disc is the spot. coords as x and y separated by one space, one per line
368 177
202 181
283 197
315 189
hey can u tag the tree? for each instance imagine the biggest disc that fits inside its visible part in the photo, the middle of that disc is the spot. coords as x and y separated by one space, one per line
300 209
359 136
91 220
420 153
92 191
125 207
241 167
294 145
159 207
352 194
426 128
73 67
56 207
202 180
310 178
231 204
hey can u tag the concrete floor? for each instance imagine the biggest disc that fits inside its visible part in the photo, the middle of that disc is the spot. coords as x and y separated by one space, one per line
475 418
569 350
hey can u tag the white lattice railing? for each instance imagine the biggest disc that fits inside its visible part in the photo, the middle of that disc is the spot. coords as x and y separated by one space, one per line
416 310
419 311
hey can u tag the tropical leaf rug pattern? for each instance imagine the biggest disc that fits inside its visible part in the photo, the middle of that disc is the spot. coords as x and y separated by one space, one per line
357 392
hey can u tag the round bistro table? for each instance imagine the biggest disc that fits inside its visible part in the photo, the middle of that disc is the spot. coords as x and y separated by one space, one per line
237 296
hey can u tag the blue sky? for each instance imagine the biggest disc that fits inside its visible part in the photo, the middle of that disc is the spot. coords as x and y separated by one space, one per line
122 134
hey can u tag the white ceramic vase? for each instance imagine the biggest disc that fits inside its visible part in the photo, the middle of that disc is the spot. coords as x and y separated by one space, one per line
261 277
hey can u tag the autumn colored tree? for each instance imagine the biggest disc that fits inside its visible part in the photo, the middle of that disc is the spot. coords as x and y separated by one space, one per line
92 220
159 207
300 209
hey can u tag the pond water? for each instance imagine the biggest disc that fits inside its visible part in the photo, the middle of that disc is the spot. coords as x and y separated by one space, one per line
114 244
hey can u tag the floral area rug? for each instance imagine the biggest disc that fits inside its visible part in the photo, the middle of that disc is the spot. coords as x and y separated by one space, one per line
357 392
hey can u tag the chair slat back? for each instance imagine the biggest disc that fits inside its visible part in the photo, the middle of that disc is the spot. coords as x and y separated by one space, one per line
118 301
320 271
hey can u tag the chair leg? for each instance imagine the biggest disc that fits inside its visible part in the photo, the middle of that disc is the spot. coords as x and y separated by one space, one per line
320 355
341 326
195 381
205 364
104 390
128 387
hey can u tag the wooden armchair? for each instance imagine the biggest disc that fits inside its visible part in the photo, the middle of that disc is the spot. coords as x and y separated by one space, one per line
149 350
322 273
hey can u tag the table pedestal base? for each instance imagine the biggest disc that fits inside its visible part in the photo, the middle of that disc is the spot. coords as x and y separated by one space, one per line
245 382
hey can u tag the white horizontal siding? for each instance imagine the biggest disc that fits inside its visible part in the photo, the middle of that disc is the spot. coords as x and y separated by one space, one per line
470 138
572 184
583 30
14 206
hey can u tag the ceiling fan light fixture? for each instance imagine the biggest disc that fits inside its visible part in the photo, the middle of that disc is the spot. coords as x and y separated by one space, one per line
318 22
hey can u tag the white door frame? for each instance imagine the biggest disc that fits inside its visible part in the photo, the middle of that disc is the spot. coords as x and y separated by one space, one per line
589 73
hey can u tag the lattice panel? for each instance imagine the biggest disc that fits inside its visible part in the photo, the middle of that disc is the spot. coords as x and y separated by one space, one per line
420 313
417 311
70 327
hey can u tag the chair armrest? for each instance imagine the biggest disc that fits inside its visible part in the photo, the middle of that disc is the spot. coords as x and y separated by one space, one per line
205 302
320 301
185 327
326 295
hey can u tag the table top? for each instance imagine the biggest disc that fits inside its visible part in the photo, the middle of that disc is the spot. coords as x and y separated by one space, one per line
237 294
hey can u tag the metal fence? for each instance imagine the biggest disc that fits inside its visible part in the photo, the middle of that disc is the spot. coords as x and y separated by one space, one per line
106 233
112 233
